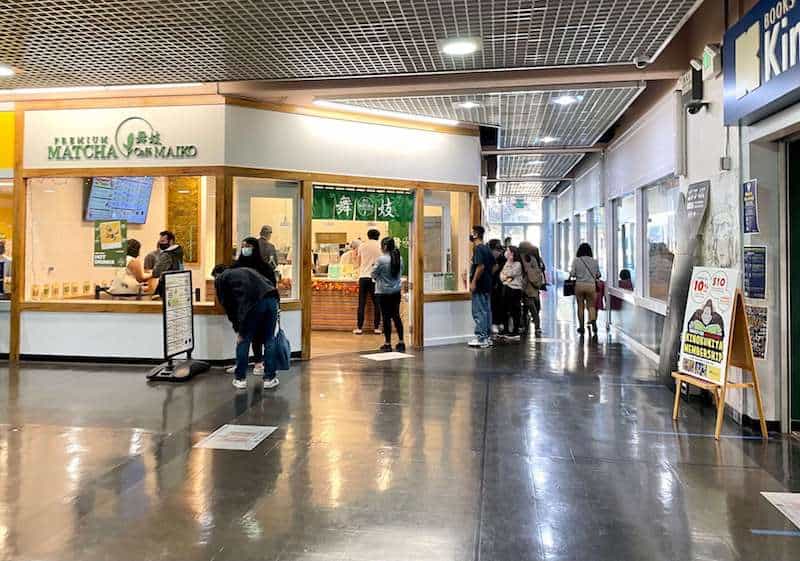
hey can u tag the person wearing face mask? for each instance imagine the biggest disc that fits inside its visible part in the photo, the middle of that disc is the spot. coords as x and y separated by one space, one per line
511 276
129 280
496 296
170 257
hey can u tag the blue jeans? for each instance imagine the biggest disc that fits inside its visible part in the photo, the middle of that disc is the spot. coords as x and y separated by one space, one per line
482 315
258 326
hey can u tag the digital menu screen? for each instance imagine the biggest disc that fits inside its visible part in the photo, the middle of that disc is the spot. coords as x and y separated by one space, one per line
119 198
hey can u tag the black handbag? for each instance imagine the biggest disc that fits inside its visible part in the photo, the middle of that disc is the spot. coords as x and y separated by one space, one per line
569 287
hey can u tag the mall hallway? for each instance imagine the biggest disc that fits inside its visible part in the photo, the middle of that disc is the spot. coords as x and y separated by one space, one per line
555 450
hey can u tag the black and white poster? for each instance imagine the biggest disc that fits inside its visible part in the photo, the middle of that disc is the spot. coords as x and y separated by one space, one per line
178 318
757 317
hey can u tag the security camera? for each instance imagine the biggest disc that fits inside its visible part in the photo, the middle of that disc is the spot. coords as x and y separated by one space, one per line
640 62
694 106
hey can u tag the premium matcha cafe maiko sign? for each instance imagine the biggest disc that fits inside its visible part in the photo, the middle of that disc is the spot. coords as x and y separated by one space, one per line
134 139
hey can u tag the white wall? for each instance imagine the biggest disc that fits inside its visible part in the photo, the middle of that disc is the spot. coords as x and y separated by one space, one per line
285 141
448 323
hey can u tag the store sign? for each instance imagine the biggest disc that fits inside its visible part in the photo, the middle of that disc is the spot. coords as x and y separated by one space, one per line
133 139
761 58
352 204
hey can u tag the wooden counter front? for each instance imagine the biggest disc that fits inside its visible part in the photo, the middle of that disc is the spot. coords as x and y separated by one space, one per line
334 305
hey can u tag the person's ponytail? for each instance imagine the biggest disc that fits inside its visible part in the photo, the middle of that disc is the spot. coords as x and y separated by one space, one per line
394 254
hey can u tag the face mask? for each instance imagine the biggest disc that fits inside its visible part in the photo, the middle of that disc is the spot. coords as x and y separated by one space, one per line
247 251
163 246
472 237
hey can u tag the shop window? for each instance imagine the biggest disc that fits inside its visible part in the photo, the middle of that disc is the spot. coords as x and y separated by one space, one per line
625 223
661 201
6 225
446 252
79 231
566 245
583 228
268 210
599 245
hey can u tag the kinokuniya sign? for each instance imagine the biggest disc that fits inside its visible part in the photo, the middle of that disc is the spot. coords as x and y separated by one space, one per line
761 62
133 139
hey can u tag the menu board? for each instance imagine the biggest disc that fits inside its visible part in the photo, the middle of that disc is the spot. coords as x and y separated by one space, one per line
707 323
178 313
119 198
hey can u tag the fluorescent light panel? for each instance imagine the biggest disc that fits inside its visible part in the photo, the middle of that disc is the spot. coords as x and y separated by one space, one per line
84 89
382 113
460 46
6 71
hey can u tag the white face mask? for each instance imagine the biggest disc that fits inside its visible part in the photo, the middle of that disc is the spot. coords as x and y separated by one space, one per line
247 251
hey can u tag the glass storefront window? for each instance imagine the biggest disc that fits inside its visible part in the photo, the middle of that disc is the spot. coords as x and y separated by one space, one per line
79 231
583 229
625 223
6 225
447 252
661 201
266 204
566 245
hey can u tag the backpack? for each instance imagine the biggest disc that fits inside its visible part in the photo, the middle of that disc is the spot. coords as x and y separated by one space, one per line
534 278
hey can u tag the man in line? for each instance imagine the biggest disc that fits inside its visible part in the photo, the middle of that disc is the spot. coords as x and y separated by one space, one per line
483 262
170 257
368 253
268 251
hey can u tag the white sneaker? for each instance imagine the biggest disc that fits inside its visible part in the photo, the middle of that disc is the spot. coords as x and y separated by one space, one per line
485 344
269 384
258 369
358 331
377 332
231 369
240 384
474 342
495 329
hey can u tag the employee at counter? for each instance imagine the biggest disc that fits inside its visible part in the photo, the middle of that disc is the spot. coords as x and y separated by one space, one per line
350 257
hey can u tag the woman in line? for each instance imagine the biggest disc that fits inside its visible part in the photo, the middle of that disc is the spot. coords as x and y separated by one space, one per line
533 268
511 276
262 338
129 280
386 275
586 271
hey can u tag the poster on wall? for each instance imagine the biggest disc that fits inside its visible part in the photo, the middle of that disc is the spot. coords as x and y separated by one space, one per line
110 243
755 272
757 322
178 313
750 206
707 323
696 204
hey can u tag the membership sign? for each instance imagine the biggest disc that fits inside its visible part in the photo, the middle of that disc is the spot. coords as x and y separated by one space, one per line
178 313
707 323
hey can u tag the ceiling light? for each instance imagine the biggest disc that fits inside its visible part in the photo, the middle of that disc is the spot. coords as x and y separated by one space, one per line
381 113
567 99
535 162
460 46
547 139
4 183
6 71
466 104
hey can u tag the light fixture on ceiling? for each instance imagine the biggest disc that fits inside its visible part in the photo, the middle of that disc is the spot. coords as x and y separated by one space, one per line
547 139
6 71
535 162
565 100
6 183
460 46
381 113
466 104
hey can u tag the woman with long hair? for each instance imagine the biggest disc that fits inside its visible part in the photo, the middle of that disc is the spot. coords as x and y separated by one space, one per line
511 276
586 272
533 273
386 275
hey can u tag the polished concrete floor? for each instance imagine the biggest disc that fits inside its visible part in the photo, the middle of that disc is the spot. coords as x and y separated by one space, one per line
554 449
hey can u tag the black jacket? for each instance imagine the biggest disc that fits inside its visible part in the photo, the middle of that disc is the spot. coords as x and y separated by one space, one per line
239 291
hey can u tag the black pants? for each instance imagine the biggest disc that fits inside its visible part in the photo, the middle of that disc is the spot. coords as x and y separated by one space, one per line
497 300
366 289
533 307
390 308
513 301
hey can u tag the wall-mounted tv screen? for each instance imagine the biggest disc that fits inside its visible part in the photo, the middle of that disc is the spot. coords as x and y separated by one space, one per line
119 198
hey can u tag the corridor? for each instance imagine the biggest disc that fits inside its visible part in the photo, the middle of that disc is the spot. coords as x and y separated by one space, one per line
553 449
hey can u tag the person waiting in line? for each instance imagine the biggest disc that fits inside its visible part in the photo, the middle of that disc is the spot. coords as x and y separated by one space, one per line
250 257
512 279
170 258
266 248
483 261
496 296
129 281
586 272
533 281
368 253
386 275
350 257
507 241
251 303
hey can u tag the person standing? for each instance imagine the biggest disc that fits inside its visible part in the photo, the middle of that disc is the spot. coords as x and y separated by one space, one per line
251 303
129 280
585 271
368 253
170 258
534 281
481 286
350 257
267 249
511 276
386 275
496 297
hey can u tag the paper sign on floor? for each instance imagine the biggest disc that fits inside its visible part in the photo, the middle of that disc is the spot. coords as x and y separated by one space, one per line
387 356
236 437
787 503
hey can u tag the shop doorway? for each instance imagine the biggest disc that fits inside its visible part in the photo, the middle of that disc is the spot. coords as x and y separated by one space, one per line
343 219
793 225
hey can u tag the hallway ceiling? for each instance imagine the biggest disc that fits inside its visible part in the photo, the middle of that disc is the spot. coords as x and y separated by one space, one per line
550 165
534 189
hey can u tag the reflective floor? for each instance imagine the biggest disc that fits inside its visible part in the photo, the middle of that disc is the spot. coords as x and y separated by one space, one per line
556 450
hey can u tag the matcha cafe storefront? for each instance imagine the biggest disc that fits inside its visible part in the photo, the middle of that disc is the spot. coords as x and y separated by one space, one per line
95 174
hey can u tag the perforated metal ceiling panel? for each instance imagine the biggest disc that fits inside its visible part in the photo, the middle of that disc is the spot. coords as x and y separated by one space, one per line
106 42
529 190
526 119
537 166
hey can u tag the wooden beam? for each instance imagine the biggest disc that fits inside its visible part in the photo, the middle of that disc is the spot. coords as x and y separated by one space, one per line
18 241
418 269
306 265
224 214
475 210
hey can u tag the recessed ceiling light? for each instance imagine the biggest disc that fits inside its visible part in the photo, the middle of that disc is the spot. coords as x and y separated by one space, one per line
460 46
6 71
547 139
567 99
535 162
466 104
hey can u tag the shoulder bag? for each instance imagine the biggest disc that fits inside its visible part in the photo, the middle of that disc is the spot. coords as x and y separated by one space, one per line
281 349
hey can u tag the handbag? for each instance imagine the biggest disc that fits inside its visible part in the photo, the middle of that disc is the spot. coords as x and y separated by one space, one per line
569 287
281 349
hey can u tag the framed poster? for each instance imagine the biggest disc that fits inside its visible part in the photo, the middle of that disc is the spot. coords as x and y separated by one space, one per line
110 243
707 324
758 323
750 206
755 272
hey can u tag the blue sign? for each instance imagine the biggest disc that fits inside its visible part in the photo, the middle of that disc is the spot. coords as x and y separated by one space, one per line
755 271
750 206
760 62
